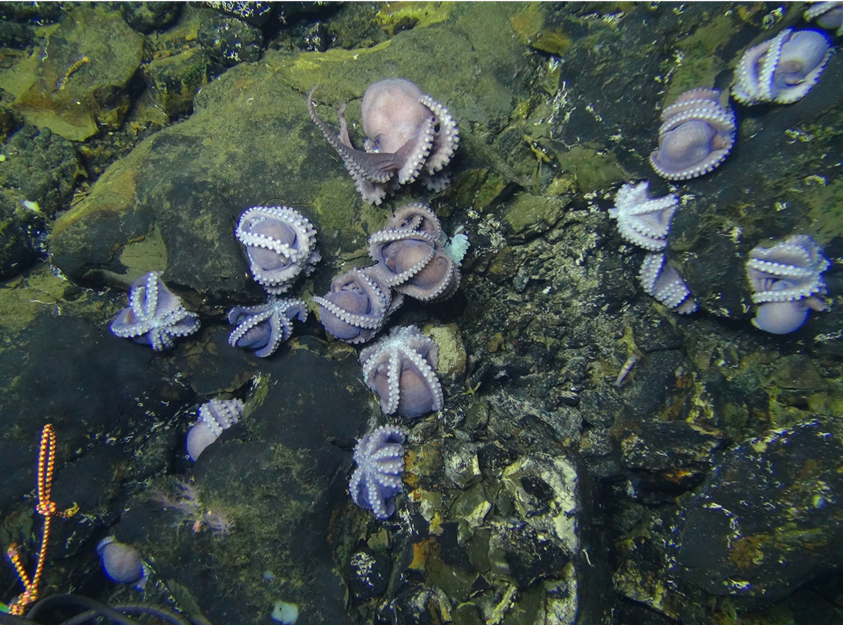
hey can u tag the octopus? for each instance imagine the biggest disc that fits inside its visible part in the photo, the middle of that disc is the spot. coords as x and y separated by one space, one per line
264 327
280 244
408 134
783 69
377 478
786 279
214 417
661 280
357 306
410 257
642 220
122 563
828 15
401 369
696 135
155 316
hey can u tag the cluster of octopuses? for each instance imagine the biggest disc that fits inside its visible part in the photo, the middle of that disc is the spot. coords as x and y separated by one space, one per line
410 136
696 135
413 258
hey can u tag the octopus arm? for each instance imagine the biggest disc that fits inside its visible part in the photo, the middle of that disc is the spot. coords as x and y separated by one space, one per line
373 167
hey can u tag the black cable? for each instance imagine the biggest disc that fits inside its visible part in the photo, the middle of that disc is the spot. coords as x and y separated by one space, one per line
99 609
11 619
159 611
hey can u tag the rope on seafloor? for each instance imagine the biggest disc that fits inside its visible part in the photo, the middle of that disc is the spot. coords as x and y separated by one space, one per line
46 507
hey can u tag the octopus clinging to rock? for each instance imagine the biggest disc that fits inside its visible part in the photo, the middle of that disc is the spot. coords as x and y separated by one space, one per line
409 134
401 369
696 135
787 283
410 255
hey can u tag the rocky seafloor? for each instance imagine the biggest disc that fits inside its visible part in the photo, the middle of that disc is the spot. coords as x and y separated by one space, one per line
704 488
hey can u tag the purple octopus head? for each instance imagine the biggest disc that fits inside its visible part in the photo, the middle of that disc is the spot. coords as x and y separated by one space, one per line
781 317
214 417
800 56
280 244
783 69
263 328
356 306
828 15
411 258
401 369
155 316
377 478
121 563
696 135
408 134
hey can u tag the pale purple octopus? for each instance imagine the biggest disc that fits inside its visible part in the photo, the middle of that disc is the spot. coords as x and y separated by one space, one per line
154 316
408 134
785 278
377 478
214 417
264 327
122 563
401 369
828 15
642 220
696 135
280 243
661 280
357 306
411 257
782 69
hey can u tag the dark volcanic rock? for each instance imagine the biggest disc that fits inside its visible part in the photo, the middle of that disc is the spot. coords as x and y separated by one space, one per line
768 518
89 384
36 12
229 41
37 178
148 16
41 167
20 231
82 83
174 81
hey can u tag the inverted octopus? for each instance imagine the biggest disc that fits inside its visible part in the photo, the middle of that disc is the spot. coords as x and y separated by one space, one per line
642 220
357 305
122 563
401 369
696 135
828 15
377 478
785 279
408 134
782 69
410 256
264 327
280 244
214 417
155 316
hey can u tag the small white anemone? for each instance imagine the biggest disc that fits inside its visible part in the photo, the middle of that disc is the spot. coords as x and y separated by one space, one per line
285 613
457 246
